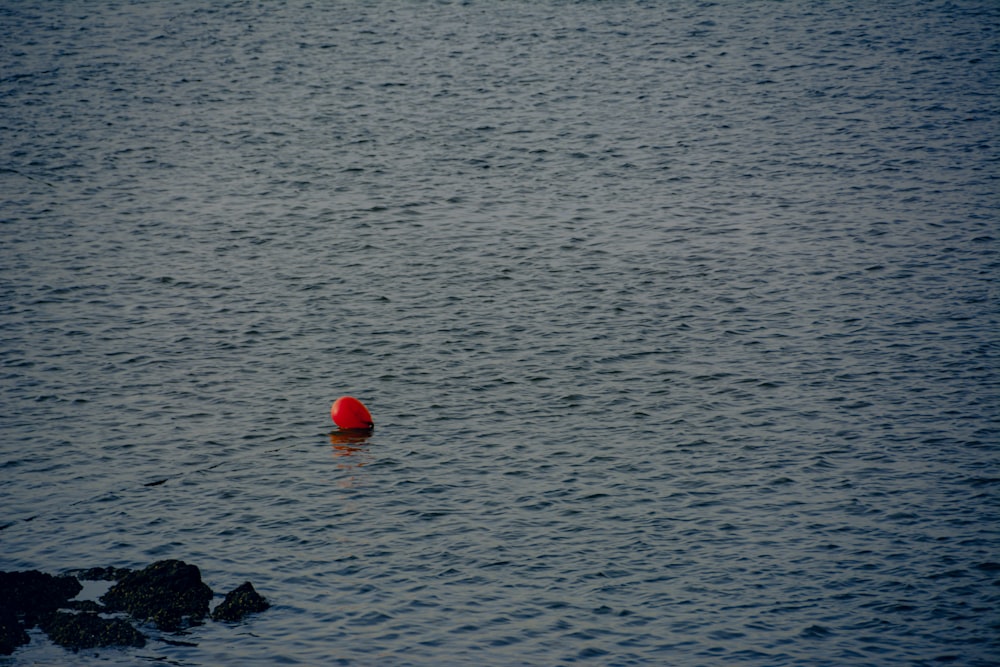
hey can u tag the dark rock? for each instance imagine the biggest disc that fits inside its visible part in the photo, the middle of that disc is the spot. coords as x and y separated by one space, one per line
33 592
165 593
84 630
239 602
169 594
12 634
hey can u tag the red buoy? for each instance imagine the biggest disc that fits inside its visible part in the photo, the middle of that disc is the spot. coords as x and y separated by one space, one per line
350 413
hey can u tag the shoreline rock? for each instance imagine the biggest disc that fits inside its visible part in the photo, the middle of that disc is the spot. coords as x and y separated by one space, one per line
12 633
240 602
168 594
88 630
32 592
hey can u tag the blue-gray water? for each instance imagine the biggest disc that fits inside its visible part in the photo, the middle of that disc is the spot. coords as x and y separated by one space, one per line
678 321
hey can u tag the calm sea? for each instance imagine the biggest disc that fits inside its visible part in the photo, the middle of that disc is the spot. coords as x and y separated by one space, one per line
678 321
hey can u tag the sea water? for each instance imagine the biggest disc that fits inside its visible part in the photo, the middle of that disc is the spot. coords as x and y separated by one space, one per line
677 320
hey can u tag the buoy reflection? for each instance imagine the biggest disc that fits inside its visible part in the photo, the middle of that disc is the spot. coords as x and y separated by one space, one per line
350 439
350 453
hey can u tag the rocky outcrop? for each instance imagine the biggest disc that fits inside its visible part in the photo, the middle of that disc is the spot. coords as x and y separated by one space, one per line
26 596
12 633
33 592
168 594
88 630
240 602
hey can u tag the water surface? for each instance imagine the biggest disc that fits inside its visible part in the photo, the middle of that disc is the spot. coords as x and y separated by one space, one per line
677 321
